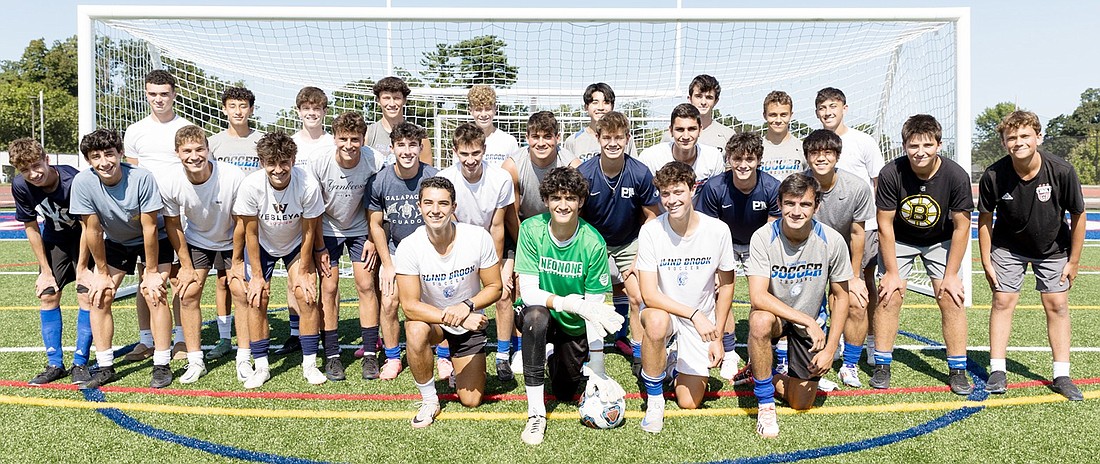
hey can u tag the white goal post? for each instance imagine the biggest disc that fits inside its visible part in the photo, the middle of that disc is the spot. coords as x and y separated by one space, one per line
891 63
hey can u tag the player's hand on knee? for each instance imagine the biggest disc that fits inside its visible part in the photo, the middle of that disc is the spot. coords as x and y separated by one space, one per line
45 282
185 279
254 292
99 285
889 285
952 287
323 263
387 278
370 255
858 289
1069 273
152 285
821 362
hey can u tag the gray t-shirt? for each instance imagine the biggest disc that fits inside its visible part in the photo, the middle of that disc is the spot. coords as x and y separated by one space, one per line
783 159
800 274
238 151
118 206
344 192
379 140
530 176
396 198
850 200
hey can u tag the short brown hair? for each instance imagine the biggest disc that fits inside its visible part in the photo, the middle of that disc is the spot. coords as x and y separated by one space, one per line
921 124
830 93
190 133
274 147
25 152
673 173
467 134
238 93
745 143
312 95
101 139
796 185
542 121
408 131
161 77
349 122
685 111
391 84
613 122
705 83
481 96
778 97
822 139
1018 119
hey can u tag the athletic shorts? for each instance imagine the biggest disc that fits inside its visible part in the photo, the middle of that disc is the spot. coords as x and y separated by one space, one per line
62 258
337 245
620 258
268 262
1010 267
799 356
509 247
933 256
870 249
201 258
465 344
125 258
740 256
692 353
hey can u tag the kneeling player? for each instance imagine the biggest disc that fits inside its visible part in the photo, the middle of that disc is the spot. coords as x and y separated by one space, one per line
678 255
447 274
793 263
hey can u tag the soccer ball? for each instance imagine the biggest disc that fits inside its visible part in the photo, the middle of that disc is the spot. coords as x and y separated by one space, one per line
597 414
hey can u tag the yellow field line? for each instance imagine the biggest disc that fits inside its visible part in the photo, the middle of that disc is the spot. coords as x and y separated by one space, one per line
570 415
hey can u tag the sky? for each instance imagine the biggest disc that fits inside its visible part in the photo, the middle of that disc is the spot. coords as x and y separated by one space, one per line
1031 54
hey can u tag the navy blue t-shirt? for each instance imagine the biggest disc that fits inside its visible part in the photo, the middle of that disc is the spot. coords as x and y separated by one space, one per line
614 205
743 213
396 198
30 201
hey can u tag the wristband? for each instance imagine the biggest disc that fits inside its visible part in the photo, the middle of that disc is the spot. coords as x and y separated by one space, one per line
318 250
692 318
469 303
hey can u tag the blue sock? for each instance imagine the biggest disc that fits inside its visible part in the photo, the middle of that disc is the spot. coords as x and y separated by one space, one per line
851 354
294 324
370 338
442 351
729 342
636 349
654 386
332 343
393 353
51 336
622 306
309 344
517 344
259 348
764 390
83 337
884 357
780 355
504 347
956 362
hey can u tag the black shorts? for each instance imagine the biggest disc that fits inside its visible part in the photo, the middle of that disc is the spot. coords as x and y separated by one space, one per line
467 344
509 247
201 258
799 356
125 258
62 258
268 262
337 245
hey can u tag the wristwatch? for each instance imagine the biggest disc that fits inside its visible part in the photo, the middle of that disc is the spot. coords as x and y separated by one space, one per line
469 303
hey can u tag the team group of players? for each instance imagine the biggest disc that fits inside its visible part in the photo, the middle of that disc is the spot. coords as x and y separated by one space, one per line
825 231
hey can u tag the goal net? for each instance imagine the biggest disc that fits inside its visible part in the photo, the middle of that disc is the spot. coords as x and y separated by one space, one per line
891 63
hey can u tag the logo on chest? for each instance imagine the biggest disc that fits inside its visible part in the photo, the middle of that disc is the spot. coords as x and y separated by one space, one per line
1042 192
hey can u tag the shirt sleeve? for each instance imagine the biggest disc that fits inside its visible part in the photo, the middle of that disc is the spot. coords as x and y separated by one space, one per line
1074 197
375 200
526 252
149 194
886 195
488 249
987 192
80 201
865 203
705 202
962 197
24 201
726 259
404 260
647 249
773 198
246 203
312 204
874 160
597 277
167 196
840 262
649 195
506 195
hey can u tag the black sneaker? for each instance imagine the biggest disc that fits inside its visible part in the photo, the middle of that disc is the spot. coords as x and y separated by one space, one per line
997 383
80 375
162 377
100 377
292 344
636 367
960 385
880 377
370 367
50 374
504 370
334 369
1064 386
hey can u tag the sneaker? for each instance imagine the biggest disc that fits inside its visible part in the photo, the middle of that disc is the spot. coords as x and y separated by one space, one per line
781 368
655 423
535 430
100 377
179 351
370 367
636 367
194 371
517 363
504 370
292 344
767 426
80 375
880 377
334 369
390 369
162 377
997 382
827 385
223 348
1064 386
48 375
244 370
849 376
425 415
140 352
313 375
960 385
445 368
743 376
259 376
729 366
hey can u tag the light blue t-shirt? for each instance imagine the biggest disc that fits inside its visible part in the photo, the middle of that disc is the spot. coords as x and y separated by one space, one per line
118 206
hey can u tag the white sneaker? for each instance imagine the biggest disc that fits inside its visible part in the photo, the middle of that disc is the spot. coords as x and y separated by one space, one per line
827 385
517 363
535 430
849 376
654 420
549 350
729 365
444 368
425 415
767 425
670 365
194 371
257 379
313 375
244 370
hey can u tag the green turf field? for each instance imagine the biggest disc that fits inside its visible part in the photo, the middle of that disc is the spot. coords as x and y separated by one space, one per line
357 421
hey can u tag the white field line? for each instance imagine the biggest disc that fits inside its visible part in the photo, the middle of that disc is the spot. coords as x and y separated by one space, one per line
1078 349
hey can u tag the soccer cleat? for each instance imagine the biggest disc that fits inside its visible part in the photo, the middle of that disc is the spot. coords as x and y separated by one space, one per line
517 363
313 375
179 351
193 373
292 344
1064 386
244 370
729 366
827 385
140 352
636 367
445 368
767 425
504 370
535 430
222 348
425 415
100 377
259 376
880 377
48 375
960 385
80 375
390 369
997 382
849 376
162 377
654 420
334 369
370 367
743 376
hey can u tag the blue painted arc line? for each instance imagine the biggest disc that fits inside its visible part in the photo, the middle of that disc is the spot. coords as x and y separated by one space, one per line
977 373
129 423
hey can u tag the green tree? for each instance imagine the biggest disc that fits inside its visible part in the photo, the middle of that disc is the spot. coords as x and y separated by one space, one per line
987 146
478 60
1085 156
52 71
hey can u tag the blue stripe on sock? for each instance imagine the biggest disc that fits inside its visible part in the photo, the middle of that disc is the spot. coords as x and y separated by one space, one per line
517 344
309 344
504 346
654 386
259 348
851 353
729 342
83 337
393 353
51 336
295 321
764 390
780 356
956 362
636 349
884 357
442 351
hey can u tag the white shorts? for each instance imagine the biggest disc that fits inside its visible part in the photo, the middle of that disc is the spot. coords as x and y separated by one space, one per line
693 355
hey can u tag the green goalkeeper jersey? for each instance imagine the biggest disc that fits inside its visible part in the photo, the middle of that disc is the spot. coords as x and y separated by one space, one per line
580 267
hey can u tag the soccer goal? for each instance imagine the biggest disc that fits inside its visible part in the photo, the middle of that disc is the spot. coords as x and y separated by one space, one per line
891 63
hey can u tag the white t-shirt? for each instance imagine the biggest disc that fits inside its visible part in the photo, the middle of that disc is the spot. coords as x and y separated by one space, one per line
860 155
476 203
708 160
153 143
498 146
343 192
784 158
450 279
207 208
309 149
239 151
685 266
280 213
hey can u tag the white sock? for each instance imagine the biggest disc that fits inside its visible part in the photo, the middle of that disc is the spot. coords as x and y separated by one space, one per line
997 365
261 364
655 402
195 358
427 391
536 404
1061 369
243 354
225 326
145 337
105 358
161 358
309 360
502 356
177 334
